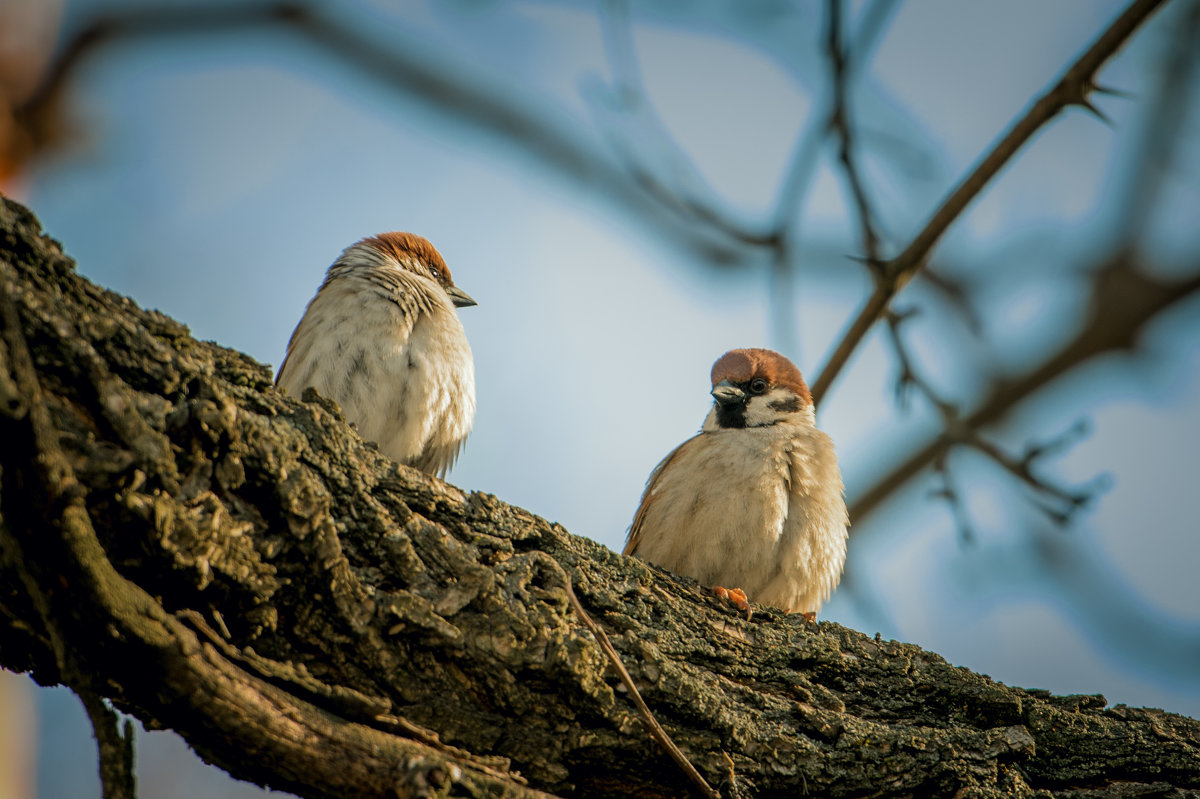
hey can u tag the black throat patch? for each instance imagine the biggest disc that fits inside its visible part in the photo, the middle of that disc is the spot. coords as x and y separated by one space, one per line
732 415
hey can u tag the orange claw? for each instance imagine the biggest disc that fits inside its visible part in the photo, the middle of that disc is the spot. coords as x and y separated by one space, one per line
810 615
736 596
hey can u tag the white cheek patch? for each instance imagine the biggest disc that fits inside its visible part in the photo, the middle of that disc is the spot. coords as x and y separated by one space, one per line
775 406
759 410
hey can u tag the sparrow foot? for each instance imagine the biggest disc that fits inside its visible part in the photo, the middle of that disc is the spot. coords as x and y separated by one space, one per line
736 597
809 616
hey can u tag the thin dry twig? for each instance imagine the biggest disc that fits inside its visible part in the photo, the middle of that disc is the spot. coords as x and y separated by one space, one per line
1124 301
651 724
802 167
840 126
949 492
1062 502
910 378
1074 88
779 233
1066 502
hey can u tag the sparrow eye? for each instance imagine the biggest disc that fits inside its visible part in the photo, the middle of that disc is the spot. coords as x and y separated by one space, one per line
433 270
758 385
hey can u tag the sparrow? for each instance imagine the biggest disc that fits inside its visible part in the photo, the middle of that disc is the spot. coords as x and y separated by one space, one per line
755 499
382 338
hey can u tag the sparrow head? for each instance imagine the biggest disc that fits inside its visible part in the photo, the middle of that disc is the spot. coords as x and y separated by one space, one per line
410 253
757 388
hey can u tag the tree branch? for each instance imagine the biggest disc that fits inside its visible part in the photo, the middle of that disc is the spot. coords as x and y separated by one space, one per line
1124 301
117 776
1074 88
234 564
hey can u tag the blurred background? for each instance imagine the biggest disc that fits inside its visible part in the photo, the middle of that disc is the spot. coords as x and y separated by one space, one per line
629 189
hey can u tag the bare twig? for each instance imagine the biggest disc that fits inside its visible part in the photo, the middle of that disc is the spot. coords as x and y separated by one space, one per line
1124 300
1073 88
949 492
802 167
839 124
908 377
954 290
965 431
652 726
956 433
778 234
1066 501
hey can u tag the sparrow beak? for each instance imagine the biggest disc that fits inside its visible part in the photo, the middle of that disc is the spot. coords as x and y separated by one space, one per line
726 393
460 298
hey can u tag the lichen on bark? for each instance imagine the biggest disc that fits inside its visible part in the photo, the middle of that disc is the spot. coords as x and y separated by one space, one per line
236 564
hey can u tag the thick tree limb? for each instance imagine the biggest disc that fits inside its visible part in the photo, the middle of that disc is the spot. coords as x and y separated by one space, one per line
226 561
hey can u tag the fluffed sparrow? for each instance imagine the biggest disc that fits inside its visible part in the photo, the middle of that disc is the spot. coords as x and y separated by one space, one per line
382 338
755 500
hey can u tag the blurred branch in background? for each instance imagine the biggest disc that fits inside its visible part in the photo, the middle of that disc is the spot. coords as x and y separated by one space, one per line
1063 502
27 128
640 168
467 94
1074 88
1126 295
647 146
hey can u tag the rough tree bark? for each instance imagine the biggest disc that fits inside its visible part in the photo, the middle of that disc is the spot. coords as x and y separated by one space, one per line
235 564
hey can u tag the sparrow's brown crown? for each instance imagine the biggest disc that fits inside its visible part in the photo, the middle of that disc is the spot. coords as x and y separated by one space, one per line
742 366
409 246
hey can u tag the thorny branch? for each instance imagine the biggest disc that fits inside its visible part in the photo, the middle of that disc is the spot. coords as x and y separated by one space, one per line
1125 295
909 378
1074 88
